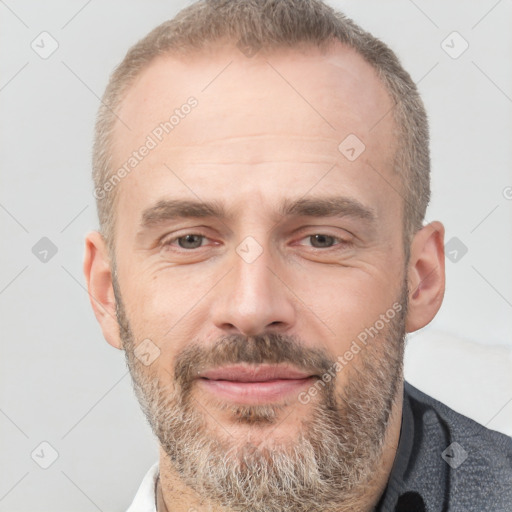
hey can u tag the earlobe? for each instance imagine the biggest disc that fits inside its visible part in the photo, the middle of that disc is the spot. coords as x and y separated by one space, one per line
98 275
426 276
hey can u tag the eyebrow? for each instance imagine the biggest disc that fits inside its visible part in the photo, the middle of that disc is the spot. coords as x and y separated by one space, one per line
172 209
337 206
167 210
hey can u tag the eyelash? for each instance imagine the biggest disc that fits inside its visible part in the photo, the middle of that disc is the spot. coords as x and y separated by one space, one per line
340 242
169 242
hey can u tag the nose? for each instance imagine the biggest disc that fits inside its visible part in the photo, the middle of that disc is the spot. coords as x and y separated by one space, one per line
253 298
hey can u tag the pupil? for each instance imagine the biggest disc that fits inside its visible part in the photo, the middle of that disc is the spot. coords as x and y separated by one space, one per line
190 241
322 240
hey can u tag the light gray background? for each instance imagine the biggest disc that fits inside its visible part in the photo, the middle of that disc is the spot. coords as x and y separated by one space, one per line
60 381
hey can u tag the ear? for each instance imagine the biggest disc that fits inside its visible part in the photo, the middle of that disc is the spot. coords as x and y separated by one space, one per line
98 274
426 276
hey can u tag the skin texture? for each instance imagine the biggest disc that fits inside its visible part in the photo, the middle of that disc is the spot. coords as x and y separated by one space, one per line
265 131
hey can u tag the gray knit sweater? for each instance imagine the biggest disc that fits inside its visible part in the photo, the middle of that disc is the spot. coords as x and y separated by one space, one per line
447 462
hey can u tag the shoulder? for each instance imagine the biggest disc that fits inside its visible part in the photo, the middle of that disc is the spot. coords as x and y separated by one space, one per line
479 459
460 426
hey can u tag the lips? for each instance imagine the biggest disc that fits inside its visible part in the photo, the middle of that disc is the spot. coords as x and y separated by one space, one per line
254 384
260 373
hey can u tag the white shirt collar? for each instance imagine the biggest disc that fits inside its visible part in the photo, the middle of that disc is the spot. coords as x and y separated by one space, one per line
145 499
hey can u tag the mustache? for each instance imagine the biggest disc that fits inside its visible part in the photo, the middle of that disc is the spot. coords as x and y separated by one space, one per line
271 348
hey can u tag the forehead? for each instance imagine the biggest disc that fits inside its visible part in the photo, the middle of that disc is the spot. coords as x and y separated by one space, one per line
260 118
336 88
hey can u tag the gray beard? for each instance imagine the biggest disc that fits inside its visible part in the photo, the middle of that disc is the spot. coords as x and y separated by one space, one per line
327 467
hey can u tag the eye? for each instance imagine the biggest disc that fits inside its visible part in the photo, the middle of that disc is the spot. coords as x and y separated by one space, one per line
322 241
323 247
189 241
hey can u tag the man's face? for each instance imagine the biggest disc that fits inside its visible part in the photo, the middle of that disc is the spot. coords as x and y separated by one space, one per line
252 251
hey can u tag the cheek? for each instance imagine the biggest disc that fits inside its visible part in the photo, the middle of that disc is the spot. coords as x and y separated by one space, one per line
345 302
165 306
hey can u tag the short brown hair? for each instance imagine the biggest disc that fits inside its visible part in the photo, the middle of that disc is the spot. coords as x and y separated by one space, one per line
268 25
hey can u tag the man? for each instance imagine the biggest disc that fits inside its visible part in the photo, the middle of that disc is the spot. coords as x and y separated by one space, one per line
262 175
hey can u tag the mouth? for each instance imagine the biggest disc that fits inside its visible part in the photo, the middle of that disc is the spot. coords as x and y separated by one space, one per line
260 384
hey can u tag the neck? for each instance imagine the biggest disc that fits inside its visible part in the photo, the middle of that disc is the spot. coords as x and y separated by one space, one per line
173 494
